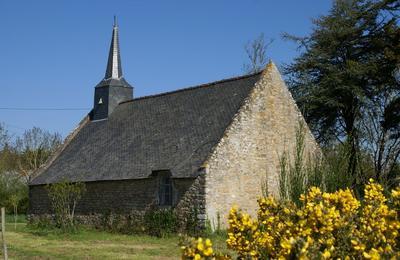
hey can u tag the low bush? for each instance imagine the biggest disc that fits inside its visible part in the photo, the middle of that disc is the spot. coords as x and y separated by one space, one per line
41 222
160 222
323 226
115 222
63 197
200 249
154 222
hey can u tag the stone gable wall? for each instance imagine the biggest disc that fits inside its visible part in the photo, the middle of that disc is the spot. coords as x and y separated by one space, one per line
249 153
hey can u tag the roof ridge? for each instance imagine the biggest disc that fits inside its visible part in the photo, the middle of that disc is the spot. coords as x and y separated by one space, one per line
193 87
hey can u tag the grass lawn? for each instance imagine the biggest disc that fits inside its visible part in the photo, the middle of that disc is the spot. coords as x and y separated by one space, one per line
26 243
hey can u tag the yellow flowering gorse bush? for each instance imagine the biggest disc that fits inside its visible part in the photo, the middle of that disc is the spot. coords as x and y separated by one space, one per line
200 249
325 226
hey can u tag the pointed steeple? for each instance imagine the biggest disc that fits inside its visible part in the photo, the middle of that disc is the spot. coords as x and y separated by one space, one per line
113 88
114 67
113 75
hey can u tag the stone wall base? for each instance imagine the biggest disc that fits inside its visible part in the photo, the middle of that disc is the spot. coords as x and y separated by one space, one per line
132 223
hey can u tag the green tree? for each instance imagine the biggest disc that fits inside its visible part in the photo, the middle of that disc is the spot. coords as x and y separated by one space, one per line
34 147
64 197
20 157
381 136
350 59
11 184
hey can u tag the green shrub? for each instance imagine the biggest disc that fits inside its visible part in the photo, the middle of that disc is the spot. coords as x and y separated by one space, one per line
134 224
154 222
13 192
41 222
300 171
323 226
64 196
192 225
160 222
116 222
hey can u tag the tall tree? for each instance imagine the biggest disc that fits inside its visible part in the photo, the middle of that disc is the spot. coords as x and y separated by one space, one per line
34 148
10 182
349 60
380 136
256 54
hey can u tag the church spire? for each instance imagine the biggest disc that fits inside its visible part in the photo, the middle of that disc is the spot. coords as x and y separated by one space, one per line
113 88
114 67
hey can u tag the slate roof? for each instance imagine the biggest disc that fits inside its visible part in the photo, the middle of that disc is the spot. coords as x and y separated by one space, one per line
175 131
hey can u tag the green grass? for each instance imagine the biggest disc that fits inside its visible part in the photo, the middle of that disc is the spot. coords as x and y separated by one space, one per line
28 243
20 219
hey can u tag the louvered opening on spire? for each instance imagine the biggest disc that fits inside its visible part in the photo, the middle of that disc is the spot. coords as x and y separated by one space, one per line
114 66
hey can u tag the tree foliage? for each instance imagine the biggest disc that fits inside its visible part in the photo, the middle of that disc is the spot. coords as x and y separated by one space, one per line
64 196
20 157
347 65
13 187
34 147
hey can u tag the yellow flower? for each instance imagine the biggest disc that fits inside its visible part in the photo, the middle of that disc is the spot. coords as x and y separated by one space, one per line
373 254
324 225
326 254
200 247
396 192
208 251
366 255
287 244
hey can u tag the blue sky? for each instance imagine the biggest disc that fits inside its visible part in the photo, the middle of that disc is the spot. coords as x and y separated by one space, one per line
53 53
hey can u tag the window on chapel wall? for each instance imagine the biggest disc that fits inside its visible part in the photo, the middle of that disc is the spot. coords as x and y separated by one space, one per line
165 188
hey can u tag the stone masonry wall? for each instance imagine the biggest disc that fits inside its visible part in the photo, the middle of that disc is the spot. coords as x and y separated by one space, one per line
124 197
193 202
249 153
